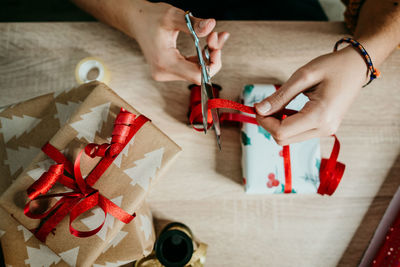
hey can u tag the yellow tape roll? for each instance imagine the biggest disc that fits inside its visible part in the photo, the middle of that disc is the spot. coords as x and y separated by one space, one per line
88 64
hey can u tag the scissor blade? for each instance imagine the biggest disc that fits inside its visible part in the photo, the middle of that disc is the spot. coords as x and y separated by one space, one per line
204 107
217 127
214 114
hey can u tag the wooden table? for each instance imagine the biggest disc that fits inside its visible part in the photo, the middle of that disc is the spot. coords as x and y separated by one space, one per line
203 189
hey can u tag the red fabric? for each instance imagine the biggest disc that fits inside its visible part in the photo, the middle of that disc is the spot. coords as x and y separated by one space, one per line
331 171
83 197
389 252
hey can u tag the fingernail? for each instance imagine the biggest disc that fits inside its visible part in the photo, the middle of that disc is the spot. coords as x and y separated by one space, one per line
263 107
203 23
226 36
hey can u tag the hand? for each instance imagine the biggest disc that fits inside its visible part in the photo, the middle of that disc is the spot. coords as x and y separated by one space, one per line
331 82
156 28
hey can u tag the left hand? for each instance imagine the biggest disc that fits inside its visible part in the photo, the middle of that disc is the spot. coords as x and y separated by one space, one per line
156 28
331 82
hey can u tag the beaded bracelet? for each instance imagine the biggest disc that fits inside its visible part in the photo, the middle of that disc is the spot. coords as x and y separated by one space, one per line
374 72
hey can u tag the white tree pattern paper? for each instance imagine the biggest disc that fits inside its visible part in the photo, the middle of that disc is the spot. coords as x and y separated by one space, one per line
27 234
16 126
91 122
145 168
64 111
43 167
44 257
147 226
124 152
20 158
41 257
96 219
116 240
70 256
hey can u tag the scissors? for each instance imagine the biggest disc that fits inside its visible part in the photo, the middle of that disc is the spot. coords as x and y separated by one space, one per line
207 91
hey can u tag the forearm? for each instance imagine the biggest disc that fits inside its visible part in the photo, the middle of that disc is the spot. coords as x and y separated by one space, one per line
378 28
120 14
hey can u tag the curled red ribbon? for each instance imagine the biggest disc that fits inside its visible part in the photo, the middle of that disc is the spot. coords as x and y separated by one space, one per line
331 171
83 196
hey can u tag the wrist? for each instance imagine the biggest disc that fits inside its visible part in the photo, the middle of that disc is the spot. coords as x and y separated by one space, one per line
372 70
133 19
378 46
356 63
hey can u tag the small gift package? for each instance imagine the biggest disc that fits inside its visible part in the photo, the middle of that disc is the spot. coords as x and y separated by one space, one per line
269 168
83 222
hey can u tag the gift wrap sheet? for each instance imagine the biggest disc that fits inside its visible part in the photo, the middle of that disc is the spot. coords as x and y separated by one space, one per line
75 118
262 157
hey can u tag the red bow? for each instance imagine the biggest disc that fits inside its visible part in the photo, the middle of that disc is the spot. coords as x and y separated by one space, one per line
83 196
331 171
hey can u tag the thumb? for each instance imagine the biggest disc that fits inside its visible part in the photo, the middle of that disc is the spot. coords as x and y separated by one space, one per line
274 102
202 27
297 83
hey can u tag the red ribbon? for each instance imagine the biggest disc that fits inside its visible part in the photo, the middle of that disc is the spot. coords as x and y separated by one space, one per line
331 171
83 196
287 167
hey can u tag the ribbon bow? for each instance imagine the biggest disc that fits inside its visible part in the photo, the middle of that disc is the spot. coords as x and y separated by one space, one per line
83 196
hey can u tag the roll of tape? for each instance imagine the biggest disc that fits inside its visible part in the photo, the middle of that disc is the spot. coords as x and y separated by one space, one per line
86 65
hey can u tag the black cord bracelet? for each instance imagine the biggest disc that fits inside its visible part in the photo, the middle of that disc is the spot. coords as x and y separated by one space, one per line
374 73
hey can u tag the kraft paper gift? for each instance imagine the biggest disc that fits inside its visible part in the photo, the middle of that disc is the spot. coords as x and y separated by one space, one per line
262 157
21 248
149 153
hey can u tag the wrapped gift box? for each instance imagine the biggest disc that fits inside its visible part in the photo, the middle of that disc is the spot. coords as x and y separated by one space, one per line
136 168
262 157
21 248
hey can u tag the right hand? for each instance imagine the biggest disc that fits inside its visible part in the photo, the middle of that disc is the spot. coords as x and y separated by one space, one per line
156 27
331 82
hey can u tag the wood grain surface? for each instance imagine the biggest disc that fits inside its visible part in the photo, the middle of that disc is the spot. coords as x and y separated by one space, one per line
203 188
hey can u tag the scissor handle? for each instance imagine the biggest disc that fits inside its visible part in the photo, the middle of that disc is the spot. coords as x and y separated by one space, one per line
205 74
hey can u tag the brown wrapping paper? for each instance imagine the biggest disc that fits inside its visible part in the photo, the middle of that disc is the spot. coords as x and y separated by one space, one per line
139 239
21 248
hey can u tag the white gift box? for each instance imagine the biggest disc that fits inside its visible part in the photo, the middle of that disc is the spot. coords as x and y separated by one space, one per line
262 158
